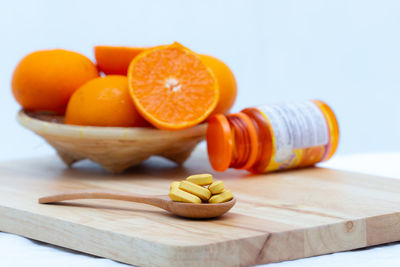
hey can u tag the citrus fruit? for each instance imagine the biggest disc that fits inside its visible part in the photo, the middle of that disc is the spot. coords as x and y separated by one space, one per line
171 87
104 101
115 59
226 83
45 80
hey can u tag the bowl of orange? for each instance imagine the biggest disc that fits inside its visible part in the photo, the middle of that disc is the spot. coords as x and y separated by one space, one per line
152 101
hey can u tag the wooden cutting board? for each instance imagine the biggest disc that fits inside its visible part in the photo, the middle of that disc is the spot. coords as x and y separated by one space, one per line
278 217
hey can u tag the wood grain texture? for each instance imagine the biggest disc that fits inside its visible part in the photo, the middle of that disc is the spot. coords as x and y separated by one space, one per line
280 216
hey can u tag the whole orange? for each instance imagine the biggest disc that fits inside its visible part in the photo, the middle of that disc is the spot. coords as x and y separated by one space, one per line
226 81
104 101
45 80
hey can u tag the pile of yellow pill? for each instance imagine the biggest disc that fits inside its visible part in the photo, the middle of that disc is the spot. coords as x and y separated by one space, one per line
199 188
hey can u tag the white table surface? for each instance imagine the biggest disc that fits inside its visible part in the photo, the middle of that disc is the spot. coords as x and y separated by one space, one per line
19 251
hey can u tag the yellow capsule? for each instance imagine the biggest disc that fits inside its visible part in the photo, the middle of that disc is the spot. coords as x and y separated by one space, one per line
223 197
181 196
216 187
195 189
200 179
175 185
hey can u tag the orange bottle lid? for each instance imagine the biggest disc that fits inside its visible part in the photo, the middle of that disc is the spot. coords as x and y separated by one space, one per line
252 134
219 142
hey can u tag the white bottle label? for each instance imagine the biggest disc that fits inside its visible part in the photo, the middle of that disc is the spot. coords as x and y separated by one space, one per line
296 125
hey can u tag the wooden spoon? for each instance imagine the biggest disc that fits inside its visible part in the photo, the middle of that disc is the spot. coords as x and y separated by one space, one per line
188 210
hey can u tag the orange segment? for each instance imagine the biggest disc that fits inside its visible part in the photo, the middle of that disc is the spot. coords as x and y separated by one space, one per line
115 59
171 87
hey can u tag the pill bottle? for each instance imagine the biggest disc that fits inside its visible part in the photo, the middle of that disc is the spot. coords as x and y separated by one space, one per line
273 137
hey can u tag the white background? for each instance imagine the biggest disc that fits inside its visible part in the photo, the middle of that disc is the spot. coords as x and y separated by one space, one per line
344 52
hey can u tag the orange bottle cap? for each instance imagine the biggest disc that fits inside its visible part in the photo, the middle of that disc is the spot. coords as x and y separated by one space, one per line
219 142
252 132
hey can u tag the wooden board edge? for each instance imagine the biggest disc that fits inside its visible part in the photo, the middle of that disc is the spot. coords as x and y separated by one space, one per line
337 237
314 241
131 250
383 229
259 249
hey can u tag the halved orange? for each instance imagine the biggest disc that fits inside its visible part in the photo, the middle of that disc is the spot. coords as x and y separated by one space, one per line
171 86
115 59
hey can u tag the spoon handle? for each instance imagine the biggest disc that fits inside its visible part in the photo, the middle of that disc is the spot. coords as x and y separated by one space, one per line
157 201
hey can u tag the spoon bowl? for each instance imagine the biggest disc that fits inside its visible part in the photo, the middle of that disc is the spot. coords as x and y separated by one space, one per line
200 211
187 210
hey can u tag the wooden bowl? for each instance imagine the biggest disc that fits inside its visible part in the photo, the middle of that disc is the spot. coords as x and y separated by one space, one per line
114 148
